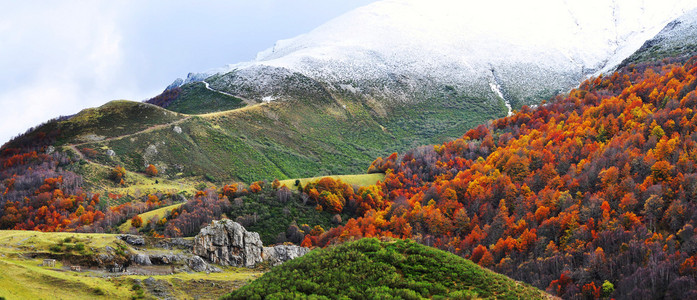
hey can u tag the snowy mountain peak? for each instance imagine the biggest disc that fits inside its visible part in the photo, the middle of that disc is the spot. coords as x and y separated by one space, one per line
534 46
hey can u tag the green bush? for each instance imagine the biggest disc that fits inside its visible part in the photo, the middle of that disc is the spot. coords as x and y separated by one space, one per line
608 288
371 269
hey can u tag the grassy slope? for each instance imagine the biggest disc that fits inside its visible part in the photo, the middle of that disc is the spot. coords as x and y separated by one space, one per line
296 138
159 213
115 118
359 180
369 268
196 99
97 179
24 278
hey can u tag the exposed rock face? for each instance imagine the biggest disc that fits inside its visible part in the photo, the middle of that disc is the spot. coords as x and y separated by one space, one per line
174 243
166 259
278 254
134 240
141 259
227 243
197 264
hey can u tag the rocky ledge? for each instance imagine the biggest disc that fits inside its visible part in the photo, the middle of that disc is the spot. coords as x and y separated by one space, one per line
228 243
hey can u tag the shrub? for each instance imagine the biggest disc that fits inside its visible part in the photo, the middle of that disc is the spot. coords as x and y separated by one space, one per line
136 221
118 174
151 170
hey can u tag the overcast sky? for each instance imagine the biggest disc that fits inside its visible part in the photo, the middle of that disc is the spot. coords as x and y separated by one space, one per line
58 57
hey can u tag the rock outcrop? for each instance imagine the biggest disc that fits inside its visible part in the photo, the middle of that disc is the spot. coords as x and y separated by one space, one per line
197 264
280 253
228 243
134 240
141 259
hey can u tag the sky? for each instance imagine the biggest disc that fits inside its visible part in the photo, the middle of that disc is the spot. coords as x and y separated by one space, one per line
59 57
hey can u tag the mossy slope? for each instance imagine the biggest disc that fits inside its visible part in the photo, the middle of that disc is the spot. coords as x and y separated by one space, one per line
370 269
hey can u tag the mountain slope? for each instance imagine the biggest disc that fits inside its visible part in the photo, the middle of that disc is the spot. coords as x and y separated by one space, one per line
677 39
591 190
403 50
392 75
113 119
372 269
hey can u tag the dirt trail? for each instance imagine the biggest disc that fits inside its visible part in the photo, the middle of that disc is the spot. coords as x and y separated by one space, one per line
208 87
82 156
151 128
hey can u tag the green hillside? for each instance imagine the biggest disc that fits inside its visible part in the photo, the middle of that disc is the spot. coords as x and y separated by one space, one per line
294 138
370 269
114 119
196 99
157 213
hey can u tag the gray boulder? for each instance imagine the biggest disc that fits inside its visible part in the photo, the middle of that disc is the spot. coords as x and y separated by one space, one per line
132 239
228 243
166 259
197 264
278 254
141 259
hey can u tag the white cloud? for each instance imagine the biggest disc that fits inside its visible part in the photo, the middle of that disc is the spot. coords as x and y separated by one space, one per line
57 57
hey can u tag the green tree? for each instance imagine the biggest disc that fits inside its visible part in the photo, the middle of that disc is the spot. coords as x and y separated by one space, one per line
608 289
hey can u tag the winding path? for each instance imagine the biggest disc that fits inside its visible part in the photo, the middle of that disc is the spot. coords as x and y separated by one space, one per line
74 147
151 128
208 87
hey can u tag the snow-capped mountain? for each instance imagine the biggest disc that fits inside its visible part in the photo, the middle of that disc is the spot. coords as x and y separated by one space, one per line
678 38
400 49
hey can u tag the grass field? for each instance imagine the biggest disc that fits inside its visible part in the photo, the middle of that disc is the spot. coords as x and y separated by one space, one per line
20 241
359 180
159 213
196 99
315 133
23 277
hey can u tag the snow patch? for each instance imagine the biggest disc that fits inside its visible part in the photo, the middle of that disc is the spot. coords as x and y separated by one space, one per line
350 88
496 88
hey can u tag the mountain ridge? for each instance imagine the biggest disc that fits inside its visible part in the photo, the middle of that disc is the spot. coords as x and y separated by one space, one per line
423 46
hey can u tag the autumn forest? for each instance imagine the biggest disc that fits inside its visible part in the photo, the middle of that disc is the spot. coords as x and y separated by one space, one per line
591 194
